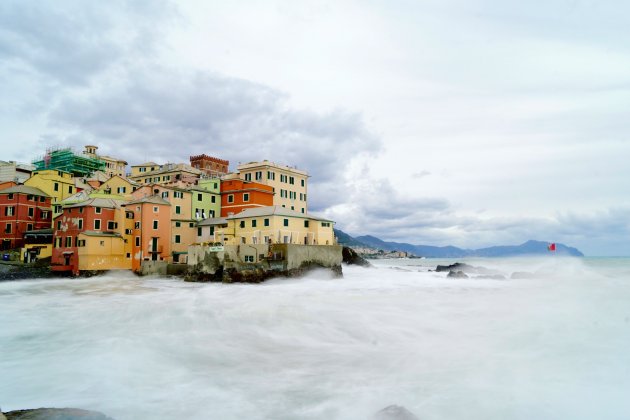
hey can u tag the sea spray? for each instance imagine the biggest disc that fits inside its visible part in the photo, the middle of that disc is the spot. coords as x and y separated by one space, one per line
552 346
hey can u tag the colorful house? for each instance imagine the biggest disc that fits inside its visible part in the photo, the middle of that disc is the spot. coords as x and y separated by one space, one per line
238 195
113 166
289 184
210 166
57 184
206 198
151 230
22 209
151 173
37 245
273 224
117 186
87 236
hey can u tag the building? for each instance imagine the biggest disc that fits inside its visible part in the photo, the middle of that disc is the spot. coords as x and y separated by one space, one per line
289 184
117 186
181 218
238 195
58 185
267 225
206 198
151 173
87 236
150 229
210 166
113 166
37 245
15 172
68 161
22 209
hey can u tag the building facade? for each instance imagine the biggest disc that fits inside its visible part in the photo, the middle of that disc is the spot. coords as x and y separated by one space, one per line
22 209
152 173
58 185
15 172
113 166
289 184
211 166
238 195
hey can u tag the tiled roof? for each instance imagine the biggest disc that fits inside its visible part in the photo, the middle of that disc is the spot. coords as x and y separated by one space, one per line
24 189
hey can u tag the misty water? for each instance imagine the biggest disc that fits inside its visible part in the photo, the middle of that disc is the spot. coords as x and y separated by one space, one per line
556 346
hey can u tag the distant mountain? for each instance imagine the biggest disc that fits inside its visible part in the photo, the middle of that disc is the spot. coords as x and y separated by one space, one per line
528 248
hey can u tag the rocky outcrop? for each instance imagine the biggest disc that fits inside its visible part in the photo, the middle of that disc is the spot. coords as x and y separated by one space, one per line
455 267
55 414
351 257
394 412
457 275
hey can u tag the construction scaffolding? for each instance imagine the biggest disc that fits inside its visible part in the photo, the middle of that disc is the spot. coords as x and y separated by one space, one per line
68 161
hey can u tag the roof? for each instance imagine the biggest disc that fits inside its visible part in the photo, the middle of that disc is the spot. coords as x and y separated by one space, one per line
107 203
97 233
268 164
24 189
99 176
77 197
213 221
48 231
274 211
145 164
152 199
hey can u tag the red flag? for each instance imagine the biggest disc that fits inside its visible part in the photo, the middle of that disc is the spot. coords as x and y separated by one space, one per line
551 247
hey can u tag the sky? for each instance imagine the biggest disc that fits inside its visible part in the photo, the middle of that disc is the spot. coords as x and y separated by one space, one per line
454 122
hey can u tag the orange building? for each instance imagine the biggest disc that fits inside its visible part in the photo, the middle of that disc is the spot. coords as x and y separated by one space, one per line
210 166
151 229
238 195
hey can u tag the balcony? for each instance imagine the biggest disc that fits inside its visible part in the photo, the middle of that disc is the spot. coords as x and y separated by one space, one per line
158 250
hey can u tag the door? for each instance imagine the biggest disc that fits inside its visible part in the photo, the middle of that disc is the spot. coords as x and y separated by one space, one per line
154 248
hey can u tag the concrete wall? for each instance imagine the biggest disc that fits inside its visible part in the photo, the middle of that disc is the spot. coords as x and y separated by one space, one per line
324 255
151 268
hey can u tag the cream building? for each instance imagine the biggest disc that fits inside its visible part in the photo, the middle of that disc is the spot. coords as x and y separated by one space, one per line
113 166
169 173
272 224
289 184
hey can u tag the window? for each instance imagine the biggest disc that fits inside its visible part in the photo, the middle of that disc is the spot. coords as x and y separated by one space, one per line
178 194
178 210
292 207
249 258
213 199
245 197
97 210
178 239
7 228
199 197
178 224
302 210
129 215
68 241
306 223
155 209
56 186
248 177
155 224
128 231
164 194
97 224
44 214
266 222
9 211
81 242
302 182
191 225
286 222
137 225
137 241
291 180
254 223
199 231
230 198
79 224
29 197
128 255
271 175
29 226
242 225
102 243
112 225
325 224
31 212
70 189
258 175
10 197
142 170
211 230
59 225
42 199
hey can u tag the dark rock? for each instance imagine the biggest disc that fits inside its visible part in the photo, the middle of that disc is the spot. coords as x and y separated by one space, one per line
350 256
457 275
394 412
55 414
456 266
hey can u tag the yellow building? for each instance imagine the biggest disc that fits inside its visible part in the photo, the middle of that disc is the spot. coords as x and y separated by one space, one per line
273 224
57 184
116 186
113 166
103 251
289 184
152 173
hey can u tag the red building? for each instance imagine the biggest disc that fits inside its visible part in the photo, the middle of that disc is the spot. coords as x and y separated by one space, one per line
95 215
22 209
211 166
238 195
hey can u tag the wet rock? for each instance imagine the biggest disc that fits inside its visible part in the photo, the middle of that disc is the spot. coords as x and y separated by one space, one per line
456 266
350 256
56 414
394 412
457 275
522 275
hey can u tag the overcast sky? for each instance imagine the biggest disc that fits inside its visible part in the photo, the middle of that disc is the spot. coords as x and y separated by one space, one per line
469 123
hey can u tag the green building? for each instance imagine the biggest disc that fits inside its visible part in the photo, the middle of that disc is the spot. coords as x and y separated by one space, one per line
206 199
68 161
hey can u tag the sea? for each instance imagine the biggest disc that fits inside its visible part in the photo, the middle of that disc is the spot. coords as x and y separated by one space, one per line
552 344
